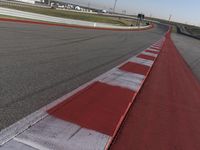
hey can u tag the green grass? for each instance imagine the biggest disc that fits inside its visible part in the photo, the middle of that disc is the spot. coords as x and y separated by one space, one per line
70 14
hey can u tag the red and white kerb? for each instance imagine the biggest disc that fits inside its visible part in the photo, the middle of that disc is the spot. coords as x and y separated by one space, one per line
89 119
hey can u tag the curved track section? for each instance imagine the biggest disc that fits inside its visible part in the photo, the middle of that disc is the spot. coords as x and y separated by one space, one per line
40 63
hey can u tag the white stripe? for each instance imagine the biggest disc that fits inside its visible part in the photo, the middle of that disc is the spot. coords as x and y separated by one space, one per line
15 145
55 134
151 49
149 54
124 79
155 47
159 42
142 61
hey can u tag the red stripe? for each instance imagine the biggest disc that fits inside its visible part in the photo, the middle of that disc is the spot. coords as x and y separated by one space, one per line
146 57
135 68
98 107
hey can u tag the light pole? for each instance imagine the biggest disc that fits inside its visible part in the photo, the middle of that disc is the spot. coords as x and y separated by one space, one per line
114 5
89 4
170 17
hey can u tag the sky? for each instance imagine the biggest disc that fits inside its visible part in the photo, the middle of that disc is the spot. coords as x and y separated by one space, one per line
185 11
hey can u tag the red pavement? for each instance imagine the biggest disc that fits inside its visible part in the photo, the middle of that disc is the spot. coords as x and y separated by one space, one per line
135 68
152 51
166 113
146 57
98 107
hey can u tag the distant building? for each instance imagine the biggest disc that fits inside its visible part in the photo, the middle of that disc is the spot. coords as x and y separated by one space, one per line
33 1
56 4
78 8
104 11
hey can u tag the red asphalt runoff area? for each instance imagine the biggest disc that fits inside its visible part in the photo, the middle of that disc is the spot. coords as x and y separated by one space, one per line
166 112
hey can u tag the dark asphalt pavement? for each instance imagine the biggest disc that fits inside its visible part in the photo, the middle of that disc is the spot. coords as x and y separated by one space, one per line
39 63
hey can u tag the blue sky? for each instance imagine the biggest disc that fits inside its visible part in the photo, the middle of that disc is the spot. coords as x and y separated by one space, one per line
186 11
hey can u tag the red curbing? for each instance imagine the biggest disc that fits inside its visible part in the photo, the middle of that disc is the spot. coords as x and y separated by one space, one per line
135 68
69 26
129 107
103 105
98 107
146 57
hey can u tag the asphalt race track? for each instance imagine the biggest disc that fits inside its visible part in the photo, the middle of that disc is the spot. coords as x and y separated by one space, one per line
40 63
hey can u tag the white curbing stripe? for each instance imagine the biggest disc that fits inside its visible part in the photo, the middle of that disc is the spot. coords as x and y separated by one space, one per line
149 54
124 79
158 44
55 134
156 47
151 49
141 61
15 145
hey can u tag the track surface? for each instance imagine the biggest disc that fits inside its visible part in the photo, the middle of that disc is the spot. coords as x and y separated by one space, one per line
189 48
39 64
165 115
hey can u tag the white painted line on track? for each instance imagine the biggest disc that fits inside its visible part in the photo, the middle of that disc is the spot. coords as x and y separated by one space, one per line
151 49
55 134
149 54
15 145
156 47
124 79
142 61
